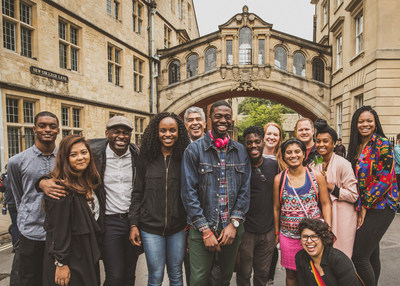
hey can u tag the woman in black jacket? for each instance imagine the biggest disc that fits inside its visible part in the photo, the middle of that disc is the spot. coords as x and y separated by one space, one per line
71 221
157 209
319 263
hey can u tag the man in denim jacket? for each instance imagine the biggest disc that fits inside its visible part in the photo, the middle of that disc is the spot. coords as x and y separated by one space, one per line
216 195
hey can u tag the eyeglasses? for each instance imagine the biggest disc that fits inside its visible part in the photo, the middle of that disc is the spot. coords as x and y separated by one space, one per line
262 177
314 237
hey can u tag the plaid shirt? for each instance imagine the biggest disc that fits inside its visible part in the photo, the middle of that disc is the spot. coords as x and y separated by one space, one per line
223 191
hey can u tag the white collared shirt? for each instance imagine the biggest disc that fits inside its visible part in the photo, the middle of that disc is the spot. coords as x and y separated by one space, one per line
118 182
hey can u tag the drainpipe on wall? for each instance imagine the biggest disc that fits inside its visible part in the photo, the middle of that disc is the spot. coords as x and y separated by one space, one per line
152 62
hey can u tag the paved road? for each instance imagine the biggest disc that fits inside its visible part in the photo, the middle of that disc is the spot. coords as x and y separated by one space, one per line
390 258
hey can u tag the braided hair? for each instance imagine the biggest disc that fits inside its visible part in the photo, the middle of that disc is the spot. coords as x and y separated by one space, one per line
150 146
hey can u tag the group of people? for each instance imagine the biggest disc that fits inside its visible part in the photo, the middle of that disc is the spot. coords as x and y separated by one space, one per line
199 194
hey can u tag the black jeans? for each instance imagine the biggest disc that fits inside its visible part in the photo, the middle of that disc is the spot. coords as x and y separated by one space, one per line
119 255
30 268
366 244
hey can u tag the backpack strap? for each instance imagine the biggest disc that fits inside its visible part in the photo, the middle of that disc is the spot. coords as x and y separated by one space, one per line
282 181
313 180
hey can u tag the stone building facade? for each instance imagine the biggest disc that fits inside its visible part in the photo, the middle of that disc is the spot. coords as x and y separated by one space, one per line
365 41
85 61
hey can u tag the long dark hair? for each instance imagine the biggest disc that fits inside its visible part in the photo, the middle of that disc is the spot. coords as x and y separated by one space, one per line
89 179
150 146
355 138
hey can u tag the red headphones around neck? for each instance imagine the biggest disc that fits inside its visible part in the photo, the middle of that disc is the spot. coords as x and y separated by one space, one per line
220 143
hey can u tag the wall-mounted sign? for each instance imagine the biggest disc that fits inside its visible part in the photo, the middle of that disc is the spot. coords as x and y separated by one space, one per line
49 74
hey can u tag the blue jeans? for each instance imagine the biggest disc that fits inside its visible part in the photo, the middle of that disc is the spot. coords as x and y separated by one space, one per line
161 250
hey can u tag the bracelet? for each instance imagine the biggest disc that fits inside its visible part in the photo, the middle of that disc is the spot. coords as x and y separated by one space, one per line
208 235
276 232
134 225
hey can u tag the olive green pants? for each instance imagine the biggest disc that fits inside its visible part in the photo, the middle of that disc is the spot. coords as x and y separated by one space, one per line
201 259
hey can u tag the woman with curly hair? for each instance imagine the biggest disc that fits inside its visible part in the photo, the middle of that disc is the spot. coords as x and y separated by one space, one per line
71 222
372 158
157 215
318 263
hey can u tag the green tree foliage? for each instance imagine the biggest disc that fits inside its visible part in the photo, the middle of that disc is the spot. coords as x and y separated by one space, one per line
259 112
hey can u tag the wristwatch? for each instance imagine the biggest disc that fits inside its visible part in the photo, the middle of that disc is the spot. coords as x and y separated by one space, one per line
58 264
235 223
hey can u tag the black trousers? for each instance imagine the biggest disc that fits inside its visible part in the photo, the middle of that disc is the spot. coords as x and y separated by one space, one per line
30 266
119 255
366 245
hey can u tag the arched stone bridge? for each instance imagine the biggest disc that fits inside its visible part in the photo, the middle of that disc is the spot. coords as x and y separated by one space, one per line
246 57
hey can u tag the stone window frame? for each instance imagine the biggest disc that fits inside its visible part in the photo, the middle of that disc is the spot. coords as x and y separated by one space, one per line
359 29
19 123
114 64
359 100
324 14
210 66
229 52
180 9
339 119
286 57
139 129
113 8
138 74
19 29
190 72
137 16
339 51
167 37
68 43
174 73
303 70
71 122
247 53
318 69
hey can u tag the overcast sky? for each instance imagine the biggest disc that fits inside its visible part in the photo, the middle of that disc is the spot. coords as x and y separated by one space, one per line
294 17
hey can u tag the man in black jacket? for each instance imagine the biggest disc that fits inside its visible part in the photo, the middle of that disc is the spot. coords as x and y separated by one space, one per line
115 158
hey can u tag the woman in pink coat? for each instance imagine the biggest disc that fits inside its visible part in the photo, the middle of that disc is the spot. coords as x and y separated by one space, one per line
342 185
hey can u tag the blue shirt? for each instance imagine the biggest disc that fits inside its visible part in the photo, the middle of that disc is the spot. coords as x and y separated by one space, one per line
23 171
397 159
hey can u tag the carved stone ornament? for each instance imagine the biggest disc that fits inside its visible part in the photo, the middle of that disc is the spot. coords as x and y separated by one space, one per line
169 95
320 92
246 80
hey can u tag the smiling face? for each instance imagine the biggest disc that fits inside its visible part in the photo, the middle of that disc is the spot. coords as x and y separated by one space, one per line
79 157
221 121
366 124
119 138
305 132
254 146
293 156
195 125
167 134
46 129
324 144
271 137
311 243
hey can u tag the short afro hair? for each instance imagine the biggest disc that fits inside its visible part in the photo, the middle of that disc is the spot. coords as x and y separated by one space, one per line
219 103
254 130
